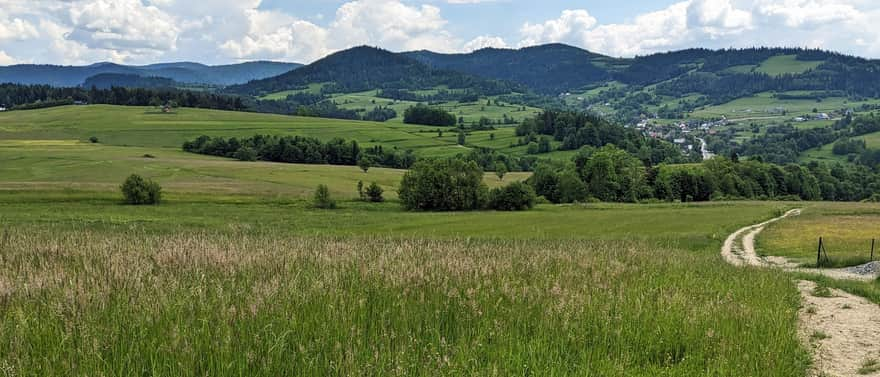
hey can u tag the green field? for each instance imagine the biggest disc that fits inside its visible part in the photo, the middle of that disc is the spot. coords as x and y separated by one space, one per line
780 65
846 229
471 112
764 106
235 273
825 152
265 287
75 165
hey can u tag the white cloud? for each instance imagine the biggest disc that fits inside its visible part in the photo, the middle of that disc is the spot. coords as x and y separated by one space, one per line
390 24
141 31
807 13
832 24
718 17
484 41
5 59
17 29
393 25
570 26
122 25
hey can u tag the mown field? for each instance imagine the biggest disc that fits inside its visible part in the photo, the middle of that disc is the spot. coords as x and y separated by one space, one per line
76 165
126 126
846 228
214 285
488 107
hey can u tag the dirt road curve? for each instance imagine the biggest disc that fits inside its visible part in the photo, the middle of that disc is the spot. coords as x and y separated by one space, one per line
841 330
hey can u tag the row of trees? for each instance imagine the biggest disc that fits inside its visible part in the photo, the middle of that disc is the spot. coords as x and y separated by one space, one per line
299 149
20 96
611 174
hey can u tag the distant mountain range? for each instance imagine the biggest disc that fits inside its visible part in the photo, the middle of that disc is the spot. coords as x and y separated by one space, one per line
556 68
183 72
711 75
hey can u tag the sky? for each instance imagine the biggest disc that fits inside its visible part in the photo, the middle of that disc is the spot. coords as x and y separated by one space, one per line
77 32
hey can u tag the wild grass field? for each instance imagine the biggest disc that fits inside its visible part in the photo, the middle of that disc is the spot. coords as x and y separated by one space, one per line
207 285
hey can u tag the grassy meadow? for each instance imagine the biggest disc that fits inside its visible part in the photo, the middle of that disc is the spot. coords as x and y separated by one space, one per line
236 274
124 126
75 165
232 285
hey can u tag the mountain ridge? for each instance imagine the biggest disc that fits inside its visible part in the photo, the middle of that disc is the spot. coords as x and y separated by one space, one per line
183 72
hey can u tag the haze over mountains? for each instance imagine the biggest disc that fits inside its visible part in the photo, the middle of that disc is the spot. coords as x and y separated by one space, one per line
545 70
181 72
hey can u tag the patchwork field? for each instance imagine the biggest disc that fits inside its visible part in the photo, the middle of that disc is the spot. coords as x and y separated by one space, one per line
145 127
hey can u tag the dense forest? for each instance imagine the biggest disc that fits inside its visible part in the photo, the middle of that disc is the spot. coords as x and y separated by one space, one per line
110 80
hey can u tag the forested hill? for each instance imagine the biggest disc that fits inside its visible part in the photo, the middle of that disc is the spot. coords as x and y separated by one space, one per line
183 72
555 68
367 68
549 68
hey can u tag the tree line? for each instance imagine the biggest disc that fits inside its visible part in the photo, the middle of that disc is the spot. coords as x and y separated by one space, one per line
610 174
16 96
300 149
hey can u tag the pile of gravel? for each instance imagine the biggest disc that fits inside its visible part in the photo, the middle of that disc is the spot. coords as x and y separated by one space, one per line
865 269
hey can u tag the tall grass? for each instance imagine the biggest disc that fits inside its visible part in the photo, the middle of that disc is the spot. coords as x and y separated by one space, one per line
219 303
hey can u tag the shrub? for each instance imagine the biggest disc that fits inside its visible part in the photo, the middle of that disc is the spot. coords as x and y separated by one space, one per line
93 139
516 196
245 154
443 185
374 193
322 198
137 190
365 163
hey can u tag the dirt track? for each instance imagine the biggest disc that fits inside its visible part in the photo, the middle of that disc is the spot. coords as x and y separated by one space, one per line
841 330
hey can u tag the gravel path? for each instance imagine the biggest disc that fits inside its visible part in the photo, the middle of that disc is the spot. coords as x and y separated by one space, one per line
841 330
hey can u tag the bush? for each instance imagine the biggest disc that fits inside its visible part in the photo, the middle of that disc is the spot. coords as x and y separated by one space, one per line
443 185
137 190
322 198
374 193
516 196
245 154
93 139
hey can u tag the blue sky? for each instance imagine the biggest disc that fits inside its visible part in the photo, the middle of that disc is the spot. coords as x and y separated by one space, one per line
229 31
